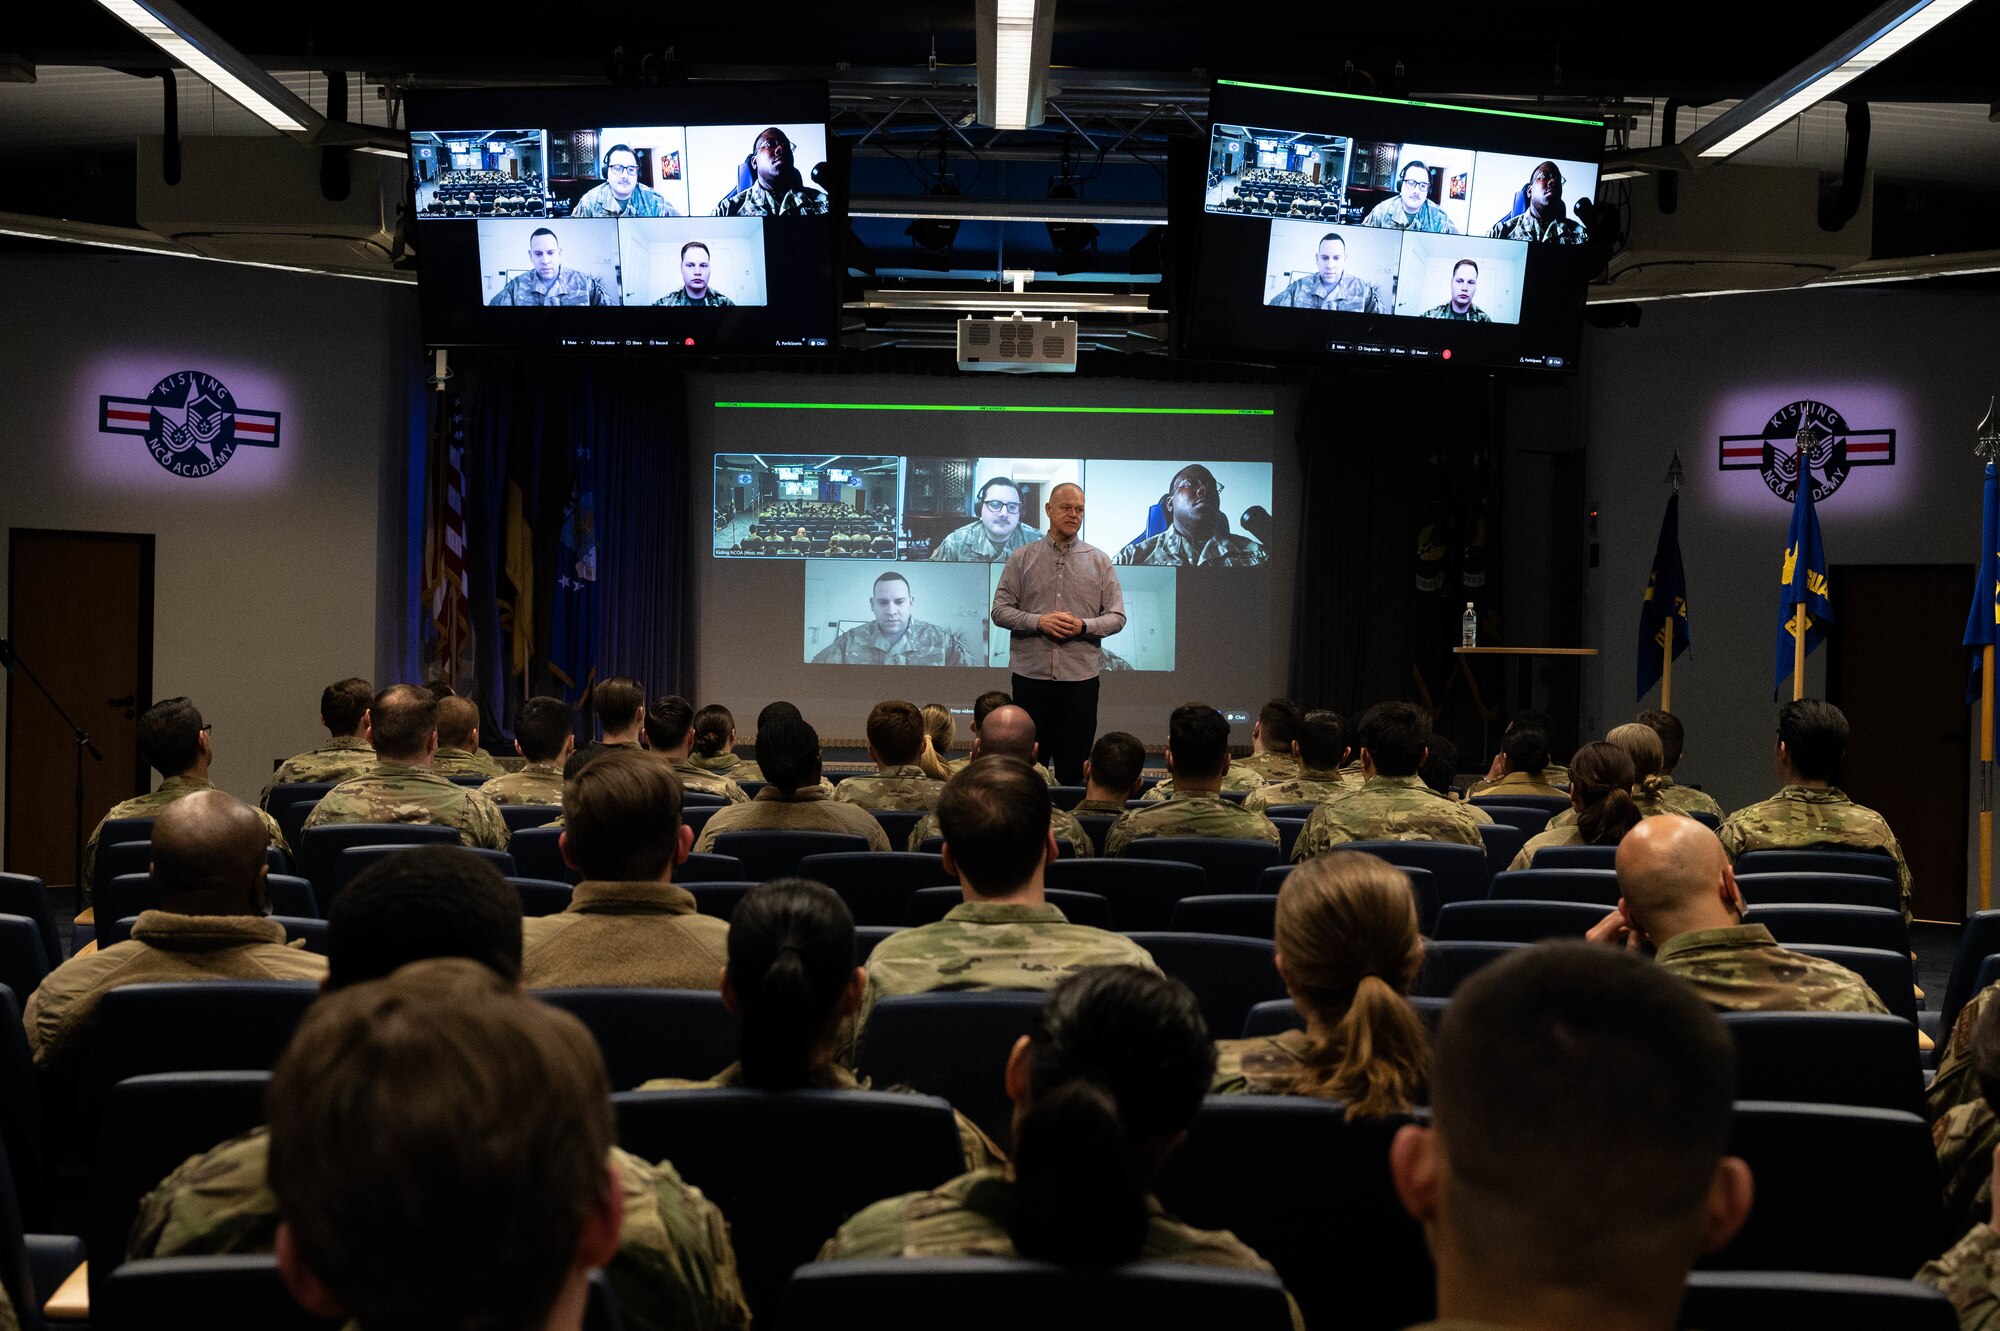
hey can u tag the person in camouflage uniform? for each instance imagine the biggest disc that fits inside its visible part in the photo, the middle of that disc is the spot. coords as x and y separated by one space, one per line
174 741
778 190
670 735
1005 935
895 637
402 788
795 797
1318 747
547 282
1237 778
1273 753
1521 766
1112 773
1010 732
458 752
1601 800
209 869
895 735
1673 743
1955 1083
1393 803
1198 531
1575 1164
343 710
715 746
998 531
1121 1027
1197 756
1810 810
1967 1137
1679 893
542 736
1641 743
982 707
695 292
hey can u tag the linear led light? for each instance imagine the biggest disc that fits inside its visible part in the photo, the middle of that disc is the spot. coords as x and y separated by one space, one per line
1847 57
1013 48
145 242
175 31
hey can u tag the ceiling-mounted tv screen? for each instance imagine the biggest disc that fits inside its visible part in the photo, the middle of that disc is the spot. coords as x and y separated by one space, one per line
1334 226
700 218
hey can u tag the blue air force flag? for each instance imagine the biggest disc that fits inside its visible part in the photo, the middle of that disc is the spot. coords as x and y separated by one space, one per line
1803 578
1981 620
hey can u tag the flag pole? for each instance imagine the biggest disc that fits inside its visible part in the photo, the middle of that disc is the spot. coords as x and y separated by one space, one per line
1987 450
1667 672
1798 651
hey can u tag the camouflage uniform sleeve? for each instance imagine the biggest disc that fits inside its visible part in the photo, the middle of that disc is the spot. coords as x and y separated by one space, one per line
876 1231
214 1204
927 826
8 1321
675 1266
274 832
980 1150
1067 829
1969 1275
485 825
1955 1085
1730 834
1119 834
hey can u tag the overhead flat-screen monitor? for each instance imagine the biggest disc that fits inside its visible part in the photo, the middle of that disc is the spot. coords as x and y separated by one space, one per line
856 547
701 218
1336 226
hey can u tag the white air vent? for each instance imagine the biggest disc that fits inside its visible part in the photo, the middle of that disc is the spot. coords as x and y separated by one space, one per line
1017 345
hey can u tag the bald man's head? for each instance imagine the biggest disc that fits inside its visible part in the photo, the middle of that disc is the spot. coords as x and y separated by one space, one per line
1675 878
208 856
1008 730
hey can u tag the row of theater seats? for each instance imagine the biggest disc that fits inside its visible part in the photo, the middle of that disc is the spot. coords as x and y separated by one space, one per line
1291 1177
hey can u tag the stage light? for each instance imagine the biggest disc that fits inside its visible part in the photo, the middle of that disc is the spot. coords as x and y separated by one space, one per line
936 234
176 32
1069 238
1013 49
1847 57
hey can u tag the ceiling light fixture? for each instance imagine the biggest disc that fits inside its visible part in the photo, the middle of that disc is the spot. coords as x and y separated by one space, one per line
97 236
1847 57
1013 49
180 35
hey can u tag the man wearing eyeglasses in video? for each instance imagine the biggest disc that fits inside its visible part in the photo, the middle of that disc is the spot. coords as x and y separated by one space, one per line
999 532
1545 220
621 194
1411 209
776 188
1198 531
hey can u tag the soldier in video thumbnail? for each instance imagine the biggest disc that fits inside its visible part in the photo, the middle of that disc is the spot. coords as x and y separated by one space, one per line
1464 284
1330 288
1545 220
548 282
998 533
621 194
695 292
1199 531
897 637
1411 209
776 188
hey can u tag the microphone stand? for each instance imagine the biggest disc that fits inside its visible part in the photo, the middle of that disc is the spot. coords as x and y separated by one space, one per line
10 659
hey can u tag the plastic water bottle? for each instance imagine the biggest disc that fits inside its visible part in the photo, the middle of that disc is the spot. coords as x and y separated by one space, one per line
1469 636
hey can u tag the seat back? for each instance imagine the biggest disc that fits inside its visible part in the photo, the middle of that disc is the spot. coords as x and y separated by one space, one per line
292 895
1273 1016
1095 825
1576 857
1873 1169
284 796
1594 887
927 905
117 832
1516 921
1461 872
1711 821
537 853
21 1127
1759 1300
1848 926
788 1167
648 1033
1820 889
317 935
719 899
1447 963
1978 939
520 817
1892 975
1288 838
1141 893
768 854
23 963
1526 817
1232 864
1819 859
542 896
897 824
17 1279
953 1045
708 867
876 885
320 848
119 859
1235 914
151 1125
1229 976
1066 797
1503 841
992 1293
353 859
1839 1058
1265 1167
26 895
1550 805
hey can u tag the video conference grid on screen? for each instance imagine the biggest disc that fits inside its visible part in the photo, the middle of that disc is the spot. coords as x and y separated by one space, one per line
900 557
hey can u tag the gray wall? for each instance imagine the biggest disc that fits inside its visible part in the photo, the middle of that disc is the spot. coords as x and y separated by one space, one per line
266 582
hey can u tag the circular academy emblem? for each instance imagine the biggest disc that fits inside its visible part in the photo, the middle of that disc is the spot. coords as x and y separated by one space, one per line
1825 440
192 426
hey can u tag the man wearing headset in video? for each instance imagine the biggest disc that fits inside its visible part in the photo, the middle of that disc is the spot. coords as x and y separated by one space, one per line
621 194
999 532
776 188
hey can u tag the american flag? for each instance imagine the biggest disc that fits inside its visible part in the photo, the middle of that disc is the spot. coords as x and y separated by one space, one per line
444 563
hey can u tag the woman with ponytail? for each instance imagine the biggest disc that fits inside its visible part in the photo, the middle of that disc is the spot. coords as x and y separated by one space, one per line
792 981
1348 949
1603 807
940 730
715 745
1103 1087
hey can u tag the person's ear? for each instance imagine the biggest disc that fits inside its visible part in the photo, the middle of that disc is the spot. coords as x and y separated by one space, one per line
850 997
1731 1193
683 844
367 727
430 743
562 844
1086 766
598 1243
1017 1070
1169 756
307 1288
518 749
1050 852
950 864
1415 1170
1732 892
729 999
1298 755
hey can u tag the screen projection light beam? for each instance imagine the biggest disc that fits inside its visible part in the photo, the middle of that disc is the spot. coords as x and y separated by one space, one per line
180 35
1847 57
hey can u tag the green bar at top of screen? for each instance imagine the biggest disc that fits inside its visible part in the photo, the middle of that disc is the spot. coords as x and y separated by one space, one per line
970 406
1399 101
